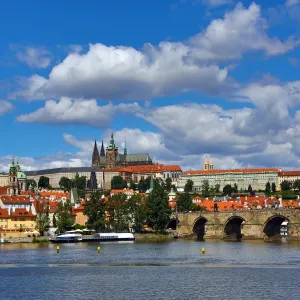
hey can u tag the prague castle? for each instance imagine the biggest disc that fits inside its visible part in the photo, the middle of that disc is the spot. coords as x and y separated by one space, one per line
111 158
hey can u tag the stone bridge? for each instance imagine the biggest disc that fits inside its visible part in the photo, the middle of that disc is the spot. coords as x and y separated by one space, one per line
249 224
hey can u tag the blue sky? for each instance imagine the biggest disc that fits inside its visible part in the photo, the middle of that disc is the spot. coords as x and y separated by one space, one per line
177 79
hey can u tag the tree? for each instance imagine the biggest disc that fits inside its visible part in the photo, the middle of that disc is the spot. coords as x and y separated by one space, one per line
54 221
184 202
43 182
144 185
273 187
64 217
138 210
168 184
268 188
205 188
217 188
189 186
286 185
296 185
159 210
30 182
65 183
79 182
133 185
119 212
250 189
118 183
235 188
95 209
227 189
42 216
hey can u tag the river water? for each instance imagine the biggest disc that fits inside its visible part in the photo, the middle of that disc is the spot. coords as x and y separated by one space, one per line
170 270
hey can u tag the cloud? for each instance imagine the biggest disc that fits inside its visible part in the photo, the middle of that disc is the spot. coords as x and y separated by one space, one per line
241 30
120 72
68 111
292 2
5 107
215 3
34 57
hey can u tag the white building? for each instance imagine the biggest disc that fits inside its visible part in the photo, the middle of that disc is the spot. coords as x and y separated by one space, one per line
257 178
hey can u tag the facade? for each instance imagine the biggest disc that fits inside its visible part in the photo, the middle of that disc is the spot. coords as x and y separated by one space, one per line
257 178
55 175
136 173
111 158
290 176
3 179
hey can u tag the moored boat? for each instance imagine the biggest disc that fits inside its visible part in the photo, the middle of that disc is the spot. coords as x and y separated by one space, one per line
67 238
110 237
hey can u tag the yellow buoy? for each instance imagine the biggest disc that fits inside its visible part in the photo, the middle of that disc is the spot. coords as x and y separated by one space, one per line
99 249
203 250
57 249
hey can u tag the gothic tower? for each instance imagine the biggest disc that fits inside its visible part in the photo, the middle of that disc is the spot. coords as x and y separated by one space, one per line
95 157
13 180
111 153
206 163
102 152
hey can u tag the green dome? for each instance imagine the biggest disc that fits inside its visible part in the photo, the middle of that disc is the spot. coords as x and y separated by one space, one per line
21 175
12 168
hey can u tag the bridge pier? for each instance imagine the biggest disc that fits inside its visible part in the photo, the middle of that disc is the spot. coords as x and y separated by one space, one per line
251 224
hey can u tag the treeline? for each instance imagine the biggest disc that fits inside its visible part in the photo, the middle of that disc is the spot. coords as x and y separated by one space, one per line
117 212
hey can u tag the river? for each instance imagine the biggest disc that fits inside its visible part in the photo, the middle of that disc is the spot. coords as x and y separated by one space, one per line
169 270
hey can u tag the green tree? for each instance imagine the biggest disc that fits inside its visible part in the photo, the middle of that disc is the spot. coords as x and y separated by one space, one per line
168 184
184 202
159 210
30 182
79 182
65 183
296 185
250 189
189 186
227 189
268 188
64 217
217 188
54 221
119 212
118 183
273 187
205 188
144 185
95 210
42 216
138 210
133 185
235 188
43 182
286 185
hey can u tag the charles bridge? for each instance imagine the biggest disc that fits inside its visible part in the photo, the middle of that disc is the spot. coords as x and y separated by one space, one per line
248 224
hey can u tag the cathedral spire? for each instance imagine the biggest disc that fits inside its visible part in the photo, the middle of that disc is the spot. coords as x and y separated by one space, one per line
102 152
125 148
95 156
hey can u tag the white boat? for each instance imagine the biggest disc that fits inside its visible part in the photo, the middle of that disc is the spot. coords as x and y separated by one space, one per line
67 237
113 237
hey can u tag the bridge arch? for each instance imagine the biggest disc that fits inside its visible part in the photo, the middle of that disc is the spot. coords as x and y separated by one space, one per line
233 228
272 225
172 224
199 227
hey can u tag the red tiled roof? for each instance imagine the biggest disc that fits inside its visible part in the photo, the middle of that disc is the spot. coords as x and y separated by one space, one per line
22 212
4 213
3 190
207 172
147 169
15 199
289 173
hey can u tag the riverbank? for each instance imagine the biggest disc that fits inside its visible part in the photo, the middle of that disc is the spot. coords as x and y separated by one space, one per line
153 237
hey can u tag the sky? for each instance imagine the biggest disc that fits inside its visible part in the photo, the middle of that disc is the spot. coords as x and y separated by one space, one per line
178 79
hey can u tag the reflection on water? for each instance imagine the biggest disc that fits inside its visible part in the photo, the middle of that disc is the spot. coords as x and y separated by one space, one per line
172 270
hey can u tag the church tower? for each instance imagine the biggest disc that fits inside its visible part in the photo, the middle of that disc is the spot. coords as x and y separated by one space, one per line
211 165
13 180
111 153
102 152
95 157
206 164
